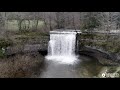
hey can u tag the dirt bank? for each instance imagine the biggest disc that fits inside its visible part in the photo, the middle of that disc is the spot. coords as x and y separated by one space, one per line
20 66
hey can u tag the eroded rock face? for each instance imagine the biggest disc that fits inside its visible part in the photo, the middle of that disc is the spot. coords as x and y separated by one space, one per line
103 57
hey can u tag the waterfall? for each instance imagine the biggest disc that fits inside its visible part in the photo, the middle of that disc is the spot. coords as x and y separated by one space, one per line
61 47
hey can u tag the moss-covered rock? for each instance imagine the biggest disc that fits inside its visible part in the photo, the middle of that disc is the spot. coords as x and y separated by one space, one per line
3 44
1 53
103 57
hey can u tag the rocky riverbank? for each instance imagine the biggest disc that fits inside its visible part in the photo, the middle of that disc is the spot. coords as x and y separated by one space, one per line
20 65
24 43
40 44
22 54
103 57
35 42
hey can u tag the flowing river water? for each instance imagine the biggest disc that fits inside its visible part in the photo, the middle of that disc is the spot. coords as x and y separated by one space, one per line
86 67
62 62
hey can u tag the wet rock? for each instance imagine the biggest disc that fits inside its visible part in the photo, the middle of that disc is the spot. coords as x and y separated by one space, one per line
108 62
103 57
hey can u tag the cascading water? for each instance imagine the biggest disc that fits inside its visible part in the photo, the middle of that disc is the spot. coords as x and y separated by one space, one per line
61 47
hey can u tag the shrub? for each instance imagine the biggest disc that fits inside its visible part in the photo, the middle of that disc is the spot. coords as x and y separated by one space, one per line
5 43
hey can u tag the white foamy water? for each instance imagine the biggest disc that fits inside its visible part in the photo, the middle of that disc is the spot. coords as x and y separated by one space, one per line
62 47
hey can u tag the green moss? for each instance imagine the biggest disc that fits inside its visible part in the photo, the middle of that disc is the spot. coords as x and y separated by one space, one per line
5 43
85 36
1 53
32 33
22 38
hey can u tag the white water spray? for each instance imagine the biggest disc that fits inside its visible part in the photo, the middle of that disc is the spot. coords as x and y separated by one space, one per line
61 47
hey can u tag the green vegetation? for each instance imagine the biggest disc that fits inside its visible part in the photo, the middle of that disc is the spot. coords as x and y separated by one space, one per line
109 43
32 33
3 44
15 25
1 53
91 23
29 36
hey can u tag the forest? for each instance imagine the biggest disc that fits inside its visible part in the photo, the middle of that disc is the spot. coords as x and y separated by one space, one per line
68 20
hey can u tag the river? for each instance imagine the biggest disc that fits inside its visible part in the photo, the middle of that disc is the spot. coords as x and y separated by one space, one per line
86 67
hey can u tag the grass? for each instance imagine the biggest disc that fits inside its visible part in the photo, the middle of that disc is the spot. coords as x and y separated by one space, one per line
1 53
31 33
22 37
12 25
25 36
